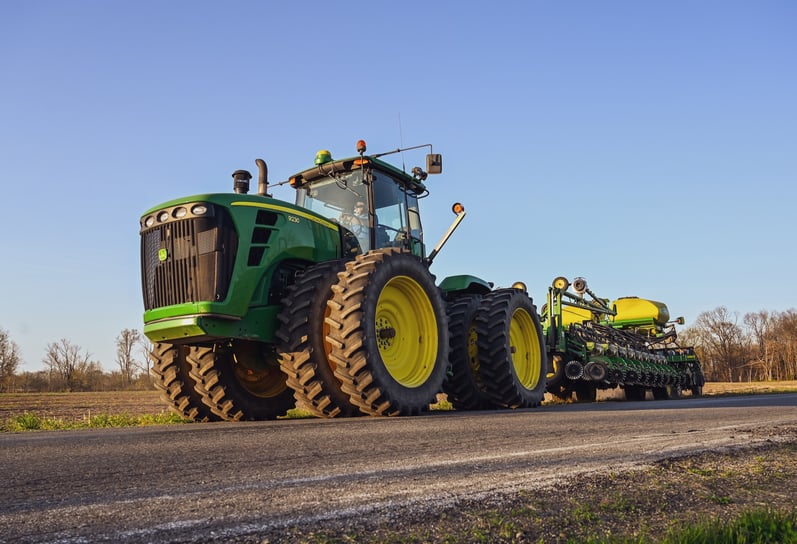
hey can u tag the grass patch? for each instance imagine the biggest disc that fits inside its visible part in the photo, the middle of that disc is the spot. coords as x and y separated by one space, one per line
29 421
753 527
763 526
297 413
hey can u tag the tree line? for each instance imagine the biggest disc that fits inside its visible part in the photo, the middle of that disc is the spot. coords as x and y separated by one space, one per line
762 346
68 367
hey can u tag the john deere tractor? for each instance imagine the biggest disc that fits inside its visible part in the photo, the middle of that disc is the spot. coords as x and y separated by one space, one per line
629 343
255 304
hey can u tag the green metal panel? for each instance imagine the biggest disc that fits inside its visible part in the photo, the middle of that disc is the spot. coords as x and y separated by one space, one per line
465 283
272 234
258 324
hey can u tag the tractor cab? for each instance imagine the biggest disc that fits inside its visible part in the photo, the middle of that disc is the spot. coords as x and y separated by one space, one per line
375 203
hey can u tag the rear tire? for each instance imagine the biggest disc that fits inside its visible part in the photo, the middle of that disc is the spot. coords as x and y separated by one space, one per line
464 385
304 350
388 333
171 377
240 382
511 349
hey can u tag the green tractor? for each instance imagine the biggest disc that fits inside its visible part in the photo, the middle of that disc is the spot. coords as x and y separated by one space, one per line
255 305
629 343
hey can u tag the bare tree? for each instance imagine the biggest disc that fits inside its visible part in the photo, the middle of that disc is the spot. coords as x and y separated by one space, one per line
145 346
721 342
9 361
68 364
760 326
125 343
785 340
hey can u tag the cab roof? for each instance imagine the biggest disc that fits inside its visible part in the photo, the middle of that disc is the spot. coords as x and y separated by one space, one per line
354 163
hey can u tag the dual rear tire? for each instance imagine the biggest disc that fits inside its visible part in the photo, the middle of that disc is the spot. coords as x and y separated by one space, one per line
497 356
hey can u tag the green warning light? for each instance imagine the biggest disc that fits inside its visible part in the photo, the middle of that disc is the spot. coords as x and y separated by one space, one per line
162 255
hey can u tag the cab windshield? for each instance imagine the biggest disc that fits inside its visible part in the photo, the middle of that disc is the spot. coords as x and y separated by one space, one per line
395 210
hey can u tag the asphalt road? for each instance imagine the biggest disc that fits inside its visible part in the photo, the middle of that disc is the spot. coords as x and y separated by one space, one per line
239 481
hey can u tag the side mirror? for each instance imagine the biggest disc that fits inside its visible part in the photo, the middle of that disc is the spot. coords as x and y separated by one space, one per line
434 163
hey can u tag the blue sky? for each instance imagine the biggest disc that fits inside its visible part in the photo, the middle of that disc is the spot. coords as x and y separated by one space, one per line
650 147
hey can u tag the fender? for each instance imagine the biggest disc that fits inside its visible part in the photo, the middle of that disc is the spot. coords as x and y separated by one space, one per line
465 284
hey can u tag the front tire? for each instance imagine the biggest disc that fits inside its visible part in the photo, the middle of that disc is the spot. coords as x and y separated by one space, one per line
511 349
240 382
170 371
304 350
387 329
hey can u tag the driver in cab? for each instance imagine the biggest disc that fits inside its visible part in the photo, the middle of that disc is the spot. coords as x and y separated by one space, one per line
357 222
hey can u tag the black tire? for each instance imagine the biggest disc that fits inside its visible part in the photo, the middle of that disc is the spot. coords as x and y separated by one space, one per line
511 349
635 392
697 380
463 385
241 381
586 393
303 348
388 333
170 371
667 392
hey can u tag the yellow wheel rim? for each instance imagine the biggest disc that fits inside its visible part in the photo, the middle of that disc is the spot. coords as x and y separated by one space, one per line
525 346
406 331
255 374
261 383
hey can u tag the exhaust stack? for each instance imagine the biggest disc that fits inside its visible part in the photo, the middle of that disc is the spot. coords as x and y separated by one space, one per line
262 179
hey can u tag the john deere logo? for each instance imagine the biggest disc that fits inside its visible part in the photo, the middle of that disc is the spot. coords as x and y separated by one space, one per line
162 255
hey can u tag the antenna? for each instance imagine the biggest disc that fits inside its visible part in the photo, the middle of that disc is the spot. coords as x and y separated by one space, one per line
401 143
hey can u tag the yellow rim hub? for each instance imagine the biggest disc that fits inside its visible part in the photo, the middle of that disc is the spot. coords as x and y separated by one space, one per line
406 331
261 383
526 351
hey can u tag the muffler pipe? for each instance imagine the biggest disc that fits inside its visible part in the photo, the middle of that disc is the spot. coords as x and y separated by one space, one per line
262 178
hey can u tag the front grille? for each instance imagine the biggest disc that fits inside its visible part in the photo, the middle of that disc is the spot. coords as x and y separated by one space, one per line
188 260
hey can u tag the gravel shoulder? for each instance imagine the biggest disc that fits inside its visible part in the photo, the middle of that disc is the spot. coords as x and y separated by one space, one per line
644 503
